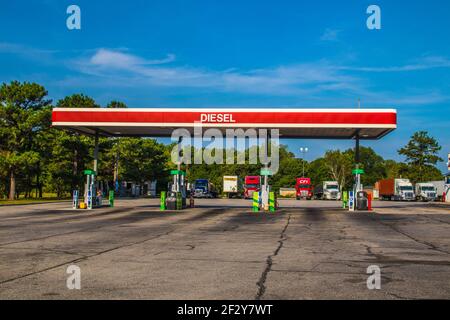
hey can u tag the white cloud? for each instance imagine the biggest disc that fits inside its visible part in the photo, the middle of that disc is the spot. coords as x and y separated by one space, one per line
320 81
408 99
42 56
295 79
426 63
330 35
317 80
118 59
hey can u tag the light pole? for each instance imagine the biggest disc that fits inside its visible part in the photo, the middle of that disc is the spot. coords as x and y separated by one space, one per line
303 151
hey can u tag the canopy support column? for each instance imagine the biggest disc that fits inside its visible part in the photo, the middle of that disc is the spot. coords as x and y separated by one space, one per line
357 163
96 152
265 187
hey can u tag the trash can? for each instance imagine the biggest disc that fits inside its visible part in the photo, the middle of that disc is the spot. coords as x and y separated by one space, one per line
362 201
171 201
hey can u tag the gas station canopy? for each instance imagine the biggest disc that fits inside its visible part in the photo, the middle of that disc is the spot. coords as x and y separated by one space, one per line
369 124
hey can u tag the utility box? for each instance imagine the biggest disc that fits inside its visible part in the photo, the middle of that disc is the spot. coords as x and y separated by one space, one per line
362 201
171 202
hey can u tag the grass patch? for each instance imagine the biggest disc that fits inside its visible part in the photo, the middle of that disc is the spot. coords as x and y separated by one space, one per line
31 201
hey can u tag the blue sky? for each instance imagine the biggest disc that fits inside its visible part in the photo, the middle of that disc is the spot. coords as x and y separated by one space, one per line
242 53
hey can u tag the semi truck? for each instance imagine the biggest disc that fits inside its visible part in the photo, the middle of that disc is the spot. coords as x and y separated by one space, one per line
440 188
447 186
204 189
327 190
396 190
443 188
251 184
303 188
426 191
231 186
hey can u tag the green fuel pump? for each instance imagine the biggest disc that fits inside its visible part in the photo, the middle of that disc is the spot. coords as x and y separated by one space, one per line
265 189
176 195
111 198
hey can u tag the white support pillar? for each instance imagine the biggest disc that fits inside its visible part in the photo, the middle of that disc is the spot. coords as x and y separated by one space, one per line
265 186
96 152
92 186
357 162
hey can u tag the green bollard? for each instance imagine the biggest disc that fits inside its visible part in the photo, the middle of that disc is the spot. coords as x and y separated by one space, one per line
344 199
255 202
163 201
272 202
179 201
111 198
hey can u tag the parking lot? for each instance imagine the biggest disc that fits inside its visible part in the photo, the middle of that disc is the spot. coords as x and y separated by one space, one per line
221 250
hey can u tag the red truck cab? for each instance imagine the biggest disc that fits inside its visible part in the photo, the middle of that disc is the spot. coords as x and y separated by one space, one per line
252 184
303 188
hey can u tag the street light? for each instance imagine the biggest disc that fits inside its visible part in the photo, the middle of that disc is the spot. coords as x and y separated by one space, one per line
303 151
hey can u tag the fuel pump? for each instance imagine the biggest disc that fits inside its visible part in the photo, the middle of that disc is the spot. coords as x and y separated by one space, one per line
265 189
89 190
176 196
361 198
265 172
75 199
359 201
358 172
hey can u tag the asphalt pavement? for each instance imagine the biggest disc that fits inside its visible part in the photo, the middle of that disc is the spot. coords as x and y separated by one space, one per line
221 250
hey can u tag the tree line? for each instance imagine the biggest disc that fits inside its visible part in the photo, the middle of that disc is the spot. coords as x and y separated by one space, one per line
36 159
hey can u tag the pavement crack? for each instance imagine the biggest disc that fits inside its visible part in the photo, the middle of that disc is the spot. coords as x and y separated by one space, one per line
423 242
203 216
85 257
269 262
436 220
399 297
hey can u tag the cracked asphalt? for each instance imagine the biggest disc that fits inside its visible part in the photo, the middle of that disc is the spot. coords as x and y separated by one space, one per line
221 250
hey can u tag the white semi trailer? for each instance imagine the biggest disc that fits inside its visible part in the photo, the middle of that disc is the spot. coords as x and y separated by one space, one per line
442 188
231 186
447 186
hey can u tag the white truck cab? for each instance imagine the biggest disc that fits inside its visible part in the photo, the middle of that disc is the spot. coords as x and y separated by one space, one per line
331 190
404 190
426 191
